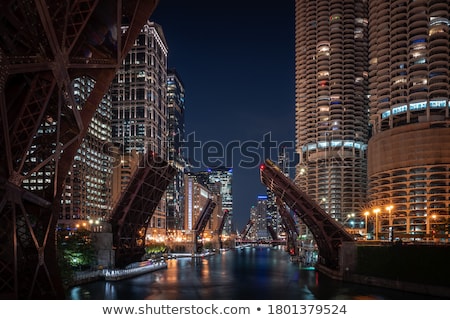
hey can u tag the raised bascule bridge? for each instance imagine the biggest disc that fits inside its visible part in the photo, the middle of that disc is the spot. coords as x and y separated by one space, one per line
131 216
375 263
327 232
44 46
201 223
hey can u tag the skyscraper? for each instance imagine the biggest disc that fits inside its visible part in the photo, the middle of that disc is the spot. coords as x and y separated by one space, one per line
261 219
139 95
139 105
86 200
409 152
197 196
331 48
176 125
274 217
223 178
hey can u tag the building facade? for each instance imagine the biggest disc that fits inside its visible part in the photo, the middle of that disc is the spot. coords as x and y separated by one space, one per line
220 181
175 140
261 219
86 200
409 152
196 197
139 95
251 232
331 71
125 165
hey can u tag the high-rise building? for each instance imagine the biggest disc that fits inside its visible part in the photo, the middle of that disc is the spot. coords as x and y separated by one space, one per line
331 71
274 218
409 152
139 95
175 138
261 219
86 200
125 165
253 217
197 196
219 180
139 105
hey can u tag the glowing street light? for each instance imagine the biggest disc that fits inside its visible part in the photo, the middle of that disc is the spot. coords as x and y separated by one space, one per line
433 225
391 223
366 215
389 208
376 211
349 216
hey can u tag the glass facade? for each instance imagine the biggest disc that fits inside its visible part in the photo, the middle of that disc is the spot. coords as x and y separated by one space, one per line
86 200
175 190
139 106
139 95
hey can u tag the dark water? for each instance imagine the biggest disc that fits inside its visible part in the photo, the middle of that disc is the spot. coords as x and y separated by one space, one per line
241 274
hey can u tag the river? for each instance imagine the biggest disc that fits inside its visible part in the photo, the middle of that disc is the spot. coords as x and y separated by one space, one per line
259 273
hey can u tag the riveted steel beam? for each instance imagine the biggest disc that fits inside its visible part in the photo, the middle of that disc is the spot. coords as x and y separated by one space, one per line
327 232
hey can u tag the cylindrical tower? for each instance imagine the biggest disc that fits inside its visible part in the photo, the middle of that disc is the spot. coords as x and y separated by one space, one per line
409 153
332 103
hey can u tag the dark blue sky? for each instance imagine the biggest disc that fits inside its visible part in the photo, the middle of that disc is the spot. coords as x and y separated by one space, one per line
236 60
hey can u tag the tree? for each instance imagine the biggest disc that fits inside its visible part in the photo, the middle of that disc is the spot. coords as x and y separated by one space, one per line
76 249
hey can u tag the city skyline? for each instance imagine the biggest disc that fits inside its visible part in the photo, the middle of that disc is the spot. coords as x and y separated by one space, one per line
55 79
236 61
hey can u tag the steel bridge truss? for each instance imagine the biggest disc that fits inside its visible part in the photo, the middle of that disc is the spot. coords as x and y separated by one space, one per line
131 216
246 229
200 225
44 46
288 224
272 232
226 213
328 233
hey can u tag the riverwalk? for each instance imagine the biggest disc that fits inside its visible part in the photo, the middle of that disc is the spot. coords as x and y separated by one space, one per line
136 269
117 274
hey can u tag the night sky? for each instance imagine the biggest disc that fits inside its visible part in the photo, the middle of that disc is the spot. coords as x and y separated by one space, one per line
236 60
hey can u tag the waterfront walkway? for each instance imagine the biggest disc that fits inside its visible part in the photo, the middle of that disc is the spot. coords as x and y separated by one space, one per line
117 274
133 270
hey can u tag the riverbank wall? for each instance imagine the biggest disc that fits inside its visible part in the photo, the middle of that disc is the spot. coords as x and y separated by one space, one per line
415 268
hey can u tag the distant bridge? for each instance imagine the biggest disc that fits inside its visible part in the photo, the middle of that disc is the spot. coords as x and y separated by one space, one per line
265 241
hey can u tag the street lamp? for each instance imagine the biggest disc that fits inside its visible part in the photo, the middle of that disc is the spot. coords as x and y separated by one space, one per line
366 214
349 216
433 226
389 208
376 211
391 223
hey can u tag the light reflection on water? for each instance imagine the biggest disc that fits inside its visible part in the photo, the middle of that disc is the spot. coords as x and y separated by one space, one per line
242 274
